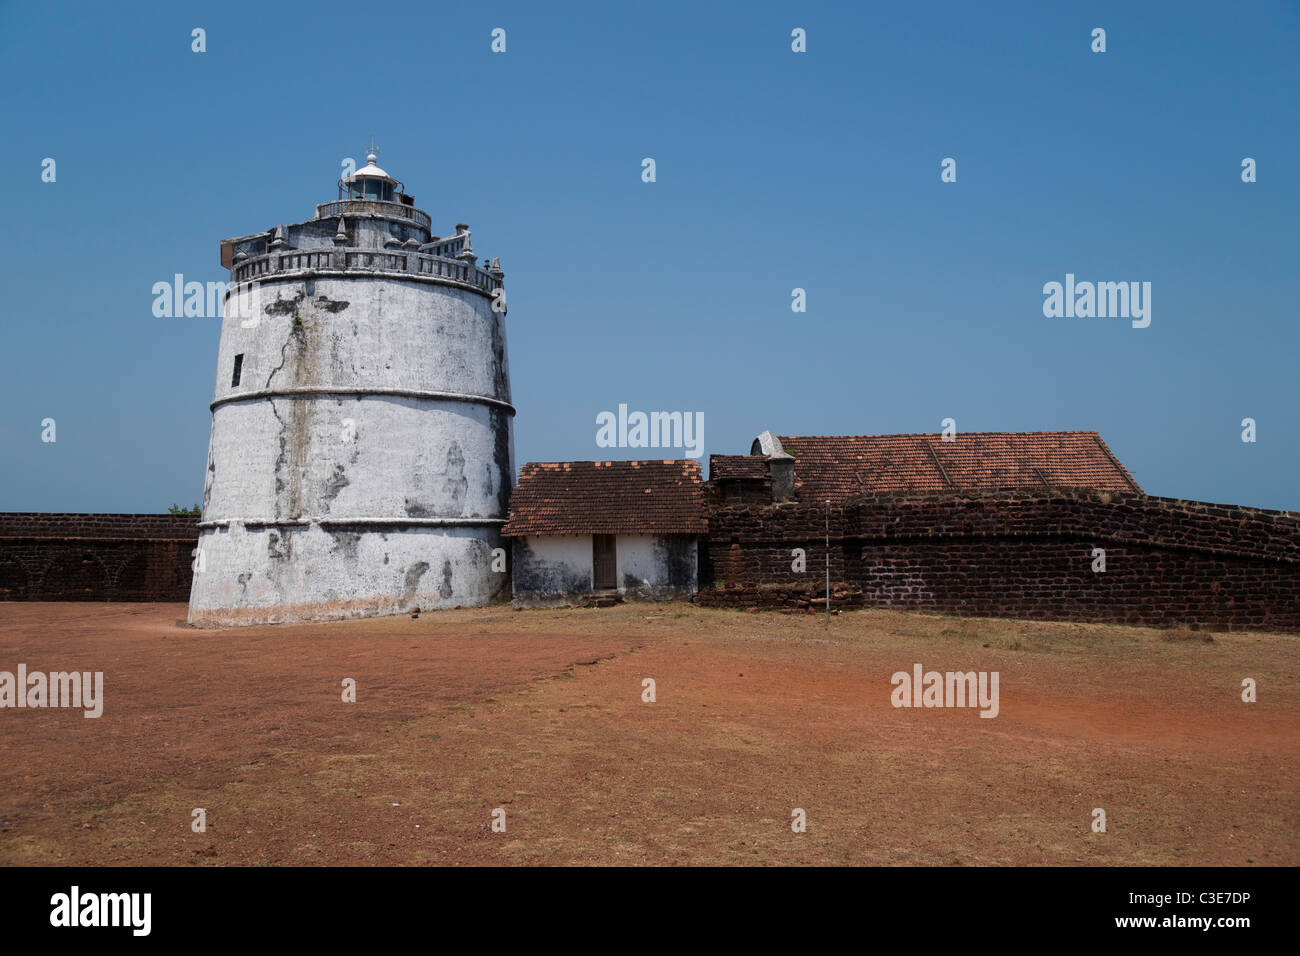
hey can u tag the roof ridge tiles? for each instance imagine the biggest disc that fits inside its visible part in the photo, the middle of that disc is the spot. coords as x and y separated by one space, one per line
841 466
1063 431
622 461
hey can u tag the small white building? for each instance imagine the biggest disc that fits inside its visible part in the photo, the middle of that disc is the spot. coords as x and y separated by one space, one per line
580 529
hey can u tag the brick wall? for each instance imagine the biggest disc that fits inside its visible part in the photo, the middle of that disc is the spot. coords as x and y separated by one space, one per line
1018 554
96 557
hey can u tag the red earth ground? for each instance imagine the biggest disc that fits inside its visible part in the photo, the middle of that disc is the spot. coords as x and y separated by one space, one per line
540 714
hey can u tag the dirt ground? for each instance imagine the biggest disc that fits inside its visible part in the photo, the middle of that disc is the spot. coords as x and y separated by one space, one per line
540 713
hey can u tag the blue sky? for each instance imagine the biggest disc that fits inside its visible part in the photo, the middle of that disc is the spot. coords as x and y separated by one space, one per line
775 170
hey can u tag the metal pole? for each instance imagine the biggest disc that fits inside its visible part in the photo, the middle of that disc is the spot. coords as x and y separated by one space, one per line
828 562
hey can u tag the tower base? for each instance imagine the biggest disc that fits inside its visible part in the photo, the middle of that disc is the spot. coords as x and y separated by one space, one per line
278 573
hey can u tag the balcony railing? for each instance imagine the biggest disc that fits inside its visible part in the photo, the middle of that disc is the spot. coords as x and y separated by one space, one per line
363 260
377 207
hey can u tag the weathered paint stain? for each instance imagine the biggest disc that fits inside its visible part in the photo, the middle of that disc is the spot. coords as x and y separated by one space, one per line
209 476
412 579
276 547
346 541
501 458
335 483
416 509
285 306
679 557
538 581
454 482
332 306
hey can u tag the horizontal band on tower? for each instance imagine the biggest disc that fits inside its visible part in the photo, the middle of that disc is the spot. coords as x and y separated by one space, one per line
361 393
325 522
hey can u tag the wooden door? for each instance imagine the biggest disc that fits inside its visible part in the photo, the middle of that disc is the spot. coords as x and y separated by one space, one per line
604 575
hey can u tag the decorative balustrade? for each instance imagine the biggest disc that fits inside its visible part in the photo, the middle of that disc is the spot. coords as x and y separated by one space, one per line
378 207
378 261
363 260
293 261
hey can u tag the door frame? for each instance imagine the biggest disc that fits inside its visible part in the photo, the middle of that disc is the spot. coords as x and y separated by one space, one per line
597 558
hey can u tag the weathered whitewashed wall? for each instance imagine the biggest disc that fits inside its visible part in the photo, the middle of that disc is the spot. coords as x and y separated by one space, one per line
555 570
656 567
551 570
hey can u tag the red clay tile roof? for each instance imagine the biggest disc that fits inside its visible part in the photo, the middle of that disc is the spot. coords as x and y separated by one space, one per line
737 466
840 468
608 497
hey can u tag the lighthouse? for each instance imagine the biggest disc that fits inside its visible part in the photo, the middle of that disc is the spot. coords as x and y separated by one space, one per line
362 448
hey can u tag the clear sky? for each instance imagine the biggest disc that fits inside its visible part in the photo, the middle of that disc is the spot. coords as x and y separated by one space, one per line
775 170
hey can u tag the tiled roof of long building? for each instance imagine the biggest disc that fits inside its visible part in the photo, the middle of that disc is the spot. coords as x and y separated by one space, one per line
608 497
843 467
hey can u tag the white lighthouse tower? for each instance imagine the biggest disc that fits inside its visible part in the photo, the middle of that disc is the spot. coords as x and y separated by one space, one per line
362 449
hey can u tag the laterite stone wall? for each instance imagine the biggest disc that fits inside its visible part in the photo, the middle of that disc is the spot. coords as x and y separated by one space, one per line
96 557
1015 554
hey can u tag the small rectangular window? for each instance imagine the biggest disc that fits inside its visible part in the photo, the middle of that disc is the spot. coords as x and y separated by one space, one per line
239 365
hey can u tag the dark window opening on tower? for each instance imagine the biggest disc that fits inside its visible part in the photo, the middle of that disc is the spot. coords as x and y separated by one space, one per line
239 365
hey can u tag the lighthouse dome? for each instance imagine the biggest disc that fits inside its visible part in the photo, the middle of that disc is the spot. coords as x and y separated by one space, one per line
370 169
371 182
